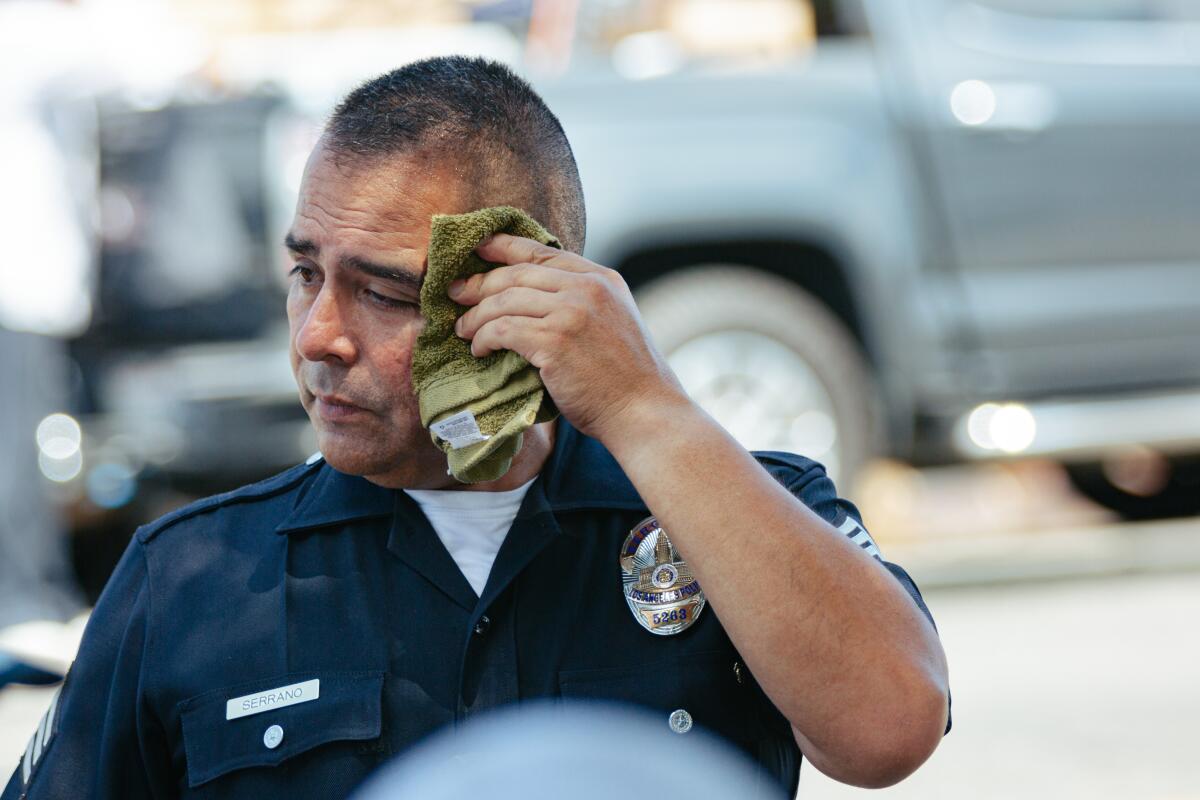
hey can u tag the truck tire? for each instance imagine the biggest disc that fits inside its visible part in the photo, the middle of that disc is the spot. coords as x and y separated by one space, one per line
768 361
1178 495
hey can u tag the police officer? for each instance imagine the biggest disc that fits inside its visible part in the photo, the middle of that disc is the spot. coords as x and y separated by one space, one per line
284 639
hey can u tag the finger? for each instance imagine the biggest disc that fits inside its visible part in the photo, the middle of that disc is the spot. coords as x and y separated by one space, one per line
470 291
516 301
503 248
523 335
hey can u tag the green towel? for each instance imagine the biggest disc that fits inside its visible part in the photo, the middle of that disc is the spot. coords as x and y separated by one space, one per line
502 392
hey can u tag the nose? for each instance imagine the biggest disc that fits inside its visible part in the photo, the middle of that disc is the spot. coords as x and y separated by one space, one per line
323 333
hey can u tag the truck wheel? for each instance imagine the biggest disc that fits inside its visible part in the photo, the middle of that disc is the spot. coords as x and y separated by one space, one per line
768 361
1173 493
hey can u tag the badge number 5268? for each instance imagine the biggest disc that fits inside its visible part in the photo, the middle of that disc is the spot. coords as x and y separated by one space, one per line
668 617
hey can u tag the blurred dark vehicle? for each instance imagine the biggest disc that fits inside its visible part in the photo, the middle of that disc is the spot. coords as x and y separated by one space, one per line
184 387
956 230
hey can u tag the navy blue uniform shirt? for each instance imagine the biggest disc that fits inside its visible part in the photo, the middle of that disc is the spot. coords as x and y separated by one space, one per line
316 583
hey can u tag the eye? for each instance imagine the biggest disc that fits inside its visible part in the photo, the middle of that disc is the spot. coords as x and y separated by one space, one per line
305 273
388 302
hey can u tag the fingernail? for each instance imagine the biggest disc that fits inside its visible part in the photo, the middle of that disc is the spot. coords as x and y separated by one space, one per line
456 287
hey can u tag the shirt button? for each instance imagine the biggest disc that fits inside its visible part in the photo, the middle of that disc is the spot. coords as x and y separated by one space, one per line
482 625
272 737
680 721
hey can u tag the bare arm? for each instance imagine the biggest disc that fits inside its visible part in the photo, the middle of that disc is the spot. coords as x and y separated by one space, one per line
834 640
832 637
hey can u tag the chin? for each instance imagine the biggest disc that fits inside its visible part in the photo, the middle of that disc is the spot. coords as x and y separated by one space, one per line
354 456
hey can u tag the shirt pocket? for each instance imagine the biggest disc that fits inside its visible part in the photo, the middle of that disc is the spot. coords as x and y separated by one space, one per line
706 686
347 707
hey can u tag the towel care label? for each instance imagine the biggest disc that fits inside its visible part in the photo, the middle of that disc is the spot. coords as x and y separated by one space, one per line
459 430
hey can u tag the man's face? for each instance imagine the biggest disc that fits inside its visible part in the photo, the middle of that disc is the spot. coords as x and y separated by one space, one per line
358 245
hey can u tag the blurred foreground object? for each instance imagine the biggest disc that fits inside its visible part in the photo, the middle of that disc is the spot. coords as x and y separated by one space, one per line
577 750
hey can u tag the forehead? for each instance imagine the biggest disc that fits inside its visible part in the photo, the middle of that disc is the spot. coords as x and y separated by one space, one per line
355 204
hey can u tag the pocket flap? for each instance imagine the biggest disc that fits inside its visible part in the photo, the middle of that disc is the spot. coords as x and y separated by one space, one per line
705 685
308 708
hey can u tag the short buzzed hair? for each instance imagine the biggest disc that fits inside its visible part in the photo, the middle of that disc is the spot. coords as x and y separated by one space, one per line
486 120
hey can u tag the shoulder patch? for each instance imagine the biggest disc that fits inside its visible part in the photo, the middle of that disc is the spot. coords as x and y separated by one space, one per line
41 739
270 487
855 532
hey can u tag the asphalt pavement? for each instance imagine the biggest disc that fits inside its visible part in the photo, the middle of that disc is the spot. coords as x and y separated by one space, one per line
1083 688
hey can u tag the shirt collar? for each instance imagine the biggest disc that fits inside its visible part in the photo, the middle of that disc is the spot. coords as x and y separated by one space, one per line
334 497
582 474
579 474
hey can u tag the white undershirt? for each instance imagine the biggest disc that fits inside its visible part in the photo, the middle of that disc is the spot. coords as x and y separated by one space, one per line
472 525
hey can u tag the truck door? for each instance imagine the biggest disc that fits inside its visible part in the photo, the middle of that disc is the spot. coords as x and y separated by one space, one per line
1063 139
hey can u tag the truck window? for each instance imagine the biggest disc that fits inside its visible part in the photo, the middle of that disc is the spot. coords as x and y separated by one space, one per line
1095 32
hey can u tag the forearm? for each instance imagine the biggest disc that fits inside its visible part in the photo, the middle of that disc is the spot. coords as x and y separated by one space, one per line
831 636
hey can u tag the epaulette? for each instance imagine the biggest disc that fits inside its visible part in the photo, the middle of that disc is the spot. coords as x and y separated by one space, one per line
269 487
779 458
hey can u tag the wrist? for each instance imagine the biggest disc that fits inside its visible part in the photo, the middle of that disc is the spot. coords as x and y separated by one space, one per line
646 419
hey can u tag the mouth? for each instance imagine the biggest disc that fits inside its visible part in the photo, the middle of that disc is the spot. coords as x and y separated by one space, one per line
332 408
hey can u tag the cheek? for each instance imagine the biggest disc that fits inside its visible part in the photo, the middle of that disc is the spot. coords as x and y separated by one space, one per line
393 357
402 367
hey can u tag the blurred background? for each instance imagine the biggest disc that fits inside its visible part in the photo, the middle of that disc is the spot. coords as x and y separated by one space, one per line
949 248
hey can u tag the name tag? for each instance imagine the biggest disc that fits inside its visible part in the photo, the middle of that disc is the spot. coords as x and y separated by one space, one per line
271 699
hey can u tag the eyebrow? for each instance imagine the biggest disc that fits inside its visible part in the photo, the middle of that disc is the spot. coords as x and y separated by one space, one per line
402 277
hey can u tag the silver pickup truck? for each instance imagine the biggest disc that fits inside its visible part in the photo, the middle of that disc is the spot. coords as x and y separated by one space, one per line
969 230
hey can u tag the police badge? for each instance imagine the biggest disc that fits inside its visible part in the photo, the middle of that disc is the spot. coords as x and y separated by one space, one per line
662 594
